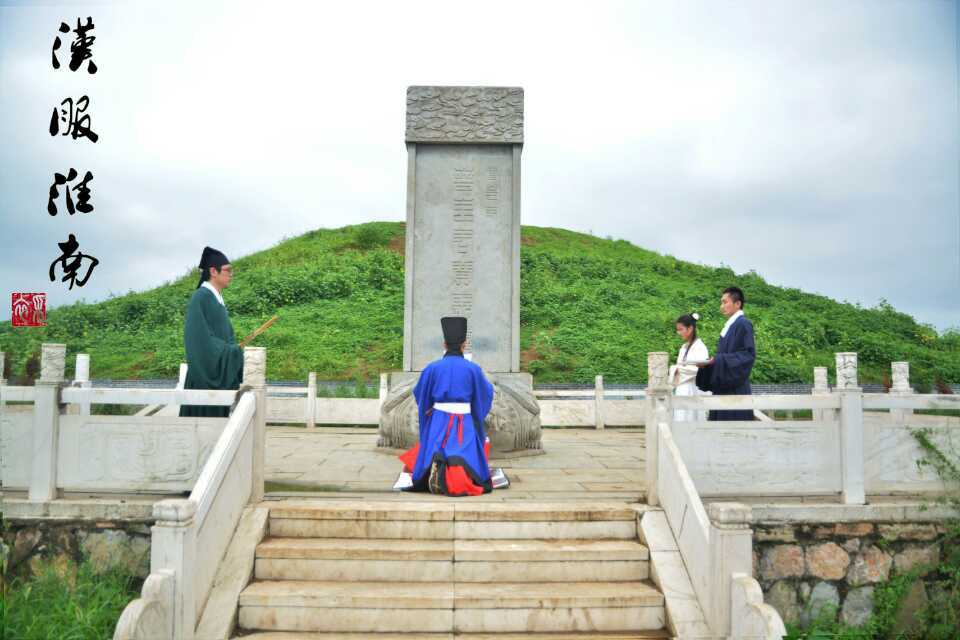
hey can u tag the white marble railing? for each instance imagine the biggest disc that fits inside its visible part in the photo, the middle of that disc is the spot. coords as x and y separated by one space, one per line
15 394
221 493
750 617
716 546
191 535
856 444
685 513
46 450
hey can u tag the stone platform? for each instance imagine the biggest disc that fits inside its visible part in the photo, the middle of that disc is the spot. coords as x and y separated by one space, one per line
580 464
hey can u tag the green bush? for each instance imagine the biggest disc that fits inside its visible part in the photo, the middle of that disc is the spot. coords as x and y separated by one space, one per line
65 602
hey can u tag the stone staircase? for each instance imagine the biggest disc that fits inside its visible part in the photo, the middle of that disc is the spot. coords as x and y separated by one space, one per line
420 569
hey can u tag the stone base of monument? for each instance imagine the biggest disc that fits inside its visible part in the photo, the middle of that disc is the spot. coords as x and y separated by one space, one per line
513 424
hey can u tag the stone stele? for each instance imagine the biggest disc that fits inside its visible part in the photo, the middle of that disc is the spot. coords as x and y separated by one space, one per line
463 254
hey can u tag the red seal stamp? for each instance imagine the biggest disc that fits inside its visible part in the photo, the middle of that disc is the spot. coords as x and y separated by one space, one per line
29 309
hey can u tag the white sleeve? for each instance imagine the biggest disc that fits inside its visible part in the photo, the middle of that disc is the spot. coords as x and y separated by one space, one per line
699 351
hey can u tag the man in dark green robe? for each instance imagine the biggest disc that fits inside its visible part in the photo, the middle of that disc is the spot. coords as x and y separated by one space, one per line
214 359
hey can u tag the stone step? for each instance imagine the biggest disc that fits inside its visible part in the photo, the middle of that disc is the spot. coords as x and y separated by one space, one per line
426 530
310 635
544 512
443 521
335 559
562 530
362 510
520 511
419 607
553 571
356 549
371 529
548 550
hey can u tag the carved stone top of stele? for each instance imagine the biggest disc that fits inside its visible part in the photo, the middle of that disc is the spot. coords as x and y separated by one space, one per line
457 115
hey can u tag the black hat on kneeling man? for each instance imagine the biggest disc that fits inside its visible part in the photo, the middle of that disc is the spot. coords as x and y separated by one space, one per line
454 330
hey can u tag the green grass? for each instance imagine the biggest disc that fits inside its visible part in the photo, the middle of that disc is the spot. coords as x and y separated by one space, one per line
69 603
588 306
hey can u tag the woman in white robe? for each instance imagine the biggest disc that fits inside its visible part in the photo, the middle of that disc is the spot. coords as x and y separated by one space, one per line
683 376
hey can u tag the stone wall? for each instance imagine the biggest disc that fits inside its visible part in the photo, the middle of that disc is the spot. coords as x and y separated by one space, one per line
802 567
106 544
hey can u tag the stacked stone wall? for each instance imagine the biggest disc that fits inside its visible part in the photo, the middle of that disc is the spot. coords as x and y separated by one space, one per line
109 544
805 567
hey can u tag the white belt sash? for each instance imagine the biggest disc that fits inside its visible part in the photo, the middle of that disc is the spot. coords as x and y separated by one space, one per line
462 408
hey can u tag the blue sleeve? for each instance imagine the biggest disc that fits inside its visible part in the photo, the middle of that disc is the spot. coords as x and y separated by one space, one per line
422 393
732 369
481 402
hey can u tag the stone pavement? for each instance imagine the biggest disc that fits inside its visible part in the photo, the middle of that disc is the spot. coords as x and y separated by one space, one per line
578 464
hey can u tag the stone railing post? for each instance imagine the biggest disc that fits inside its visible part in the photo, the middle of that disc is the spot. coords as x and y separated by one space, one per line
3 364
182 376
851 430
598 401
901 387
81 378
311 400
731 551
173 546
46 423
255 375
658 410
384 388
821 387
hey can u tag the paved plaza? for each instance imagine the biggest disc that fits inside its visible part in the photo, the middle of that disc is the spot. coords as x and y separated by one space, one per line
578 464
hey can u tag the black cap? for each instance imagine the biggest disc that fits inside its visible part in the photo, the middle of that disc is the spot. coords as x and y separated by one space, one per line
454 330
211 258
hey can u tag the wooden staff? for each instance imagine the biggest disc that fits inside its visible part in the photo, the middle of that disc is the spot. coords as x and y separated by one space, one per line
259 330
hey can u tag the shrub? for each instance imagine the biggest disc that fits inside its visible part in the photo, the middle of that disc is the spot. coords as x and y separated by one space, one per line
65 602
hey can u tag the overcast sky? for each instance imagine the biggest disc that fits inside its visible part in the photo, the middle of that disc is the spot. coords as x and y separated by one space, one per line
814 142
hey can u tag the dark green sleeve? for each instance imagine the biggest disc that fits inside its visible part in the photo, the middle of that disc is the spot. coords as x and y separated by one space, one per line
213 361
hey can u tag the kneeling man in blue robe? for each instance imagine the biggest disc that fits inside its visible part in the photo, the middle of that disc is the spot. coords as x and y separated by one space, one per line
727 373
453 399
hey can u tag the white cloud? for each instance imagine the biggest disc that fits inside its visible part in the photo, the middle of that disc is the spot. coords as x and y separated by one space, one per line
822 134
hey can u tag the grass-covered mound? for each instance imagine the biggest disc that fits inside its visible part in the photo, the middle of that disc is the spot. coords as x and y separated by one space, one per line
588 306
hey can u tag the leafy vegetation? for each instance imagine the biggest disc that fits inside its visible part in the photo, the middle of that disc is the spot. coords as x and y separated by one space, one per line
940 618
588 306
65 602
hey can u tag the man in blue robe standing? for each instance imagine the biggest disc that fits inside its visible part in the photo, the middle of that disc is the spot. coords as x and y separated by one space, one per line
727 373
453 399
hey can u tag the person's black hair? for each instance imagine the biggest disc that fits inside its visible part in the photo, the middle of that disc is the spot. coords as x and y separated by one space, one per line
205 274
736 294
455 347
688 320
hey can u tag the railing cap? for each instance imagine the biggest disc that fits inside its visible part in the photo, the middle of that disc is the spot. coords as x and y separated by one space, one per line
53 358
658 367
177 511
847 371
730 515
255 366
